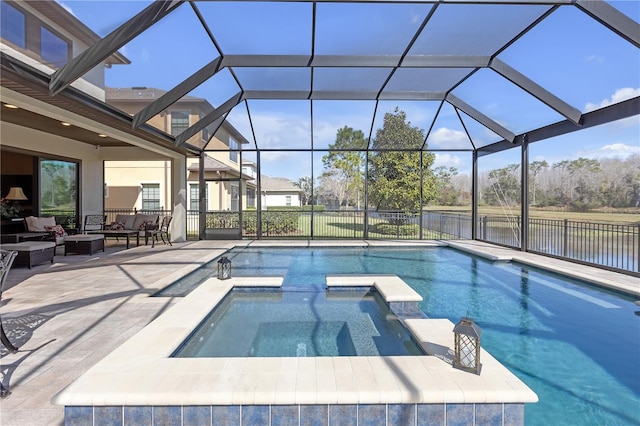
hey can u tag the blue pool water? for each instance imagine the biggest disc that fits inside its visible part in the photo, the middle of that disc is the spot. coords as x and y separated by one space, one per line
577 346
300 323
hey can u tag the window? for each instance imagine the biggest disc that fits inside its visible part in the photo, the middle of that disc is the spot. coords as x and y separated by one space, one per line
235 192
150 196
53 50
233 150
179 122
194 197
287 199
251 197
25 31
13 25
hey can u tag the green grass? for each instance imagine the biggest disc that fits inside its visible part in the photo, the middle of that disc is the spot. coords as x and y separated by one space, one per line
619 216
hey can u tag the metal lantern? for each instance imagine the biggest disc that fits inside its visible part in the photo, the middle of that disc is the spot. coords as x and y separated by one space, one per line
466 353
224 268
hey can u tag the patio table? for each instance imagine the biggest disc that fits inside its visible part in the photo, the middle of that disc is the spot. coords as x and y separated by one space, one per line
118 233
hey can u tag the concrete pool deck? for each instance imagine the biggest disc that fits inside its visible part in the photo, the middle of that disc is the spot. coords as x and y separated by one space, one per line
68 316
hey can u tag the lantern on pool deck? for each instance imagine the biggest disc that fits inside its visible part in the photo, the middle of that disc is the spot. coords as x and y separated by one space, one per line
224 268
466 353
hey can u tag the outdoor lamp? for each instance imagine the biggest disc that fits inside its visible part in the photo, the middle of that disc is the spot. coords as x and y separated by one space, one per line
466 352
224 268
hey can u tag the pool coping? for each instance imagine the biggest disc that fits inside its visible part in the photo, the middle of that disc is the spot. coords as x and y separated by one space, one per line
141 372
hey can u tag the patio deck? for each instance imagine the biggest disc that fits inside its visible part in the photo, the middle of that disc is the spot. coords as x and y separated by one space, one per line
68 316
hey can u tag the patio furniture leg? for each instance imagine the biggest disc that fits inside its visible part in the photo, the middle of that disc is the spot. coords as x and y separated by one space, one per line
127 241
4 392
5 341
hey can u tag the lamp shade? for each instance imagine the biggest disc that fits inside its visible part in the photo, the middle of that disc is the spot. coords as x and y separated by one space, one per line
15 194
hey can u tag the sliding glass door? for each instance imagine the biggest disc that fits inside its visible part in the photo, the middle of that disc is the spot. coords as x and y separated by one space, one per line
59 190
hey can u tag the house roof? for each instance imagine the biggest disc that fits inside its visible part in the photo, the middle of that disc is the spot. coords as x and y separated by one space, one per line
212 165
277 184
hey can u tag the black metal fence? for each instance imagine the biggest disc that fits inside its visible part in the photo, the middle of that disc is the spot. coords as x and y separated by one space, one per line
614 246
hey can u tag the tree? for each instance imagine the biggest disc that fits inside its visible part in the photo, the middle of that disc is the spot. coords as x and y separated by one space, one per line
306 185
394 176
503 187
333 186
534 169
345 160
447 195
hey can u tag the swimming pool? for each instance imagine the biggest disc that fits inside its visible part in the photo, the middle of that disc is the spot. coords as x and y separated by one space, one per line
574 344
300 323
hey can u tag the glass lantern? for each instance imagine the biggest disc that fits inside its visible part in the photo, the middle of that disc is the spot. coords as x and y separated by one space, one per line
466 352
224 268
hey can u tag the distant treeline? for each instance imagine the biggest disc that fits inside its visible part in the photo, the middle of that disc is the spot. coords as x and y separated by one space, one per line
581 184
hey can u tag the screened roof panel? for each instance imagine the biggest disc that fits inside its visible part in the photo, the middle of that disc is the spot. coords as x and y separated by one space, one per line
504 65
448 131
171 58
350 79
330 116
419 114
481 136
274 78
504 102
578 52
259 28
281 124
438 80
473 29
366 28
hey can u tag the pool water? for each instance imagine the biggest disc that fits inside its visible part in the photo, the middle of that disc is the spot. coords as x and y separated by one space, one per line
301 323
577 346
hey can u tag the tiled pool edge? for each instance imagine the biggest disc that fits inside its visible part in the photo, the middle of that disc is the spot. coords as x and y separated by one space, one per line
264 415
139 378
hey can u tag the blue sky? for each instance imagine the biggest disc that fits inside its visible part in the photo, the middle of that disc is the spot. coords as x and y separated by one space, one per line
569 54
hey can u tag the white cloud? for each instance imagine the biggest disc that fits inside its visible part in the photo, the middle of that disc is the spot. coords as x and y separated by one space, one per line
619 96
448 138
447 160
594 58
620 149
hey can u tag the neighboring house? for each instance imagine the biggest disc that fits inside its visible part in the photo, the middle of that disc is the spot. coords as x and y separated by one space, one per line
55 146
147 184
279 192
224 184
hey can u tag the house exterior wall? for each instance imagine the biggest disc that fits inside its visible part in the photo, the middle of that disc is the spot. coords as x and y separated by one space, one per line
124 180
279 199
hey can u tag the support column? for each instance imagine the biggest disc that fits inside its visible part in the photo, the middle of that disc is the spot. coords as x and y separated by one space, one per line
474 196
202 197
179 199
524 194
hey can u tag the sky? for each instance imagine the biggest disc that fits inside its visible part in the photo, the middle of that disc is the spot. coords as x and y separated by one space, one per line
569 54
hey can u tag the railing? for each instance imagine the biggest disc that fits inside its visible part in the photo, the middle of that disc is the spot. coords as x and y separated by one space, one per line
610 245
607 244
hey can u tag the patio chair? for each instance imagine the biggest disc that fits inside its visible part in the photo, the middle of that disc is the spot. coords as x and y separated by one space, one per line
6 260
94 222
162 231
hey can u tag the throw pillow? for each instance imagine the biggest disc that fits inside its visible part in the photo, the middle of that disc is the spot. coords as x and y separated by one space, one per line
58 230
116 226
39 224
